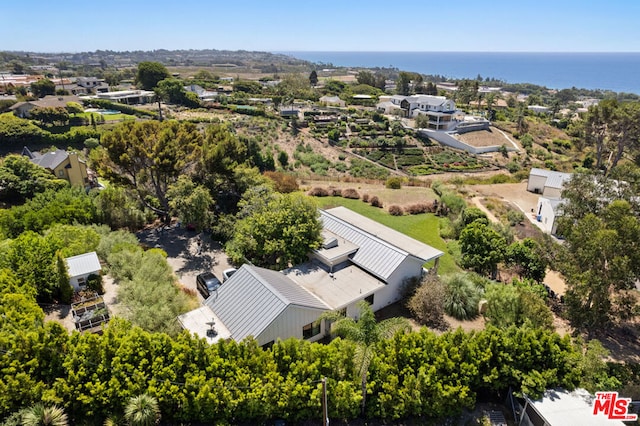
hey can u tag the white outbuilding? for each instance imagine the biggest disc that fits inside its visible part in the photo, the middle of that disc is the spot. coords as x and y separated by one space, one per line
80 267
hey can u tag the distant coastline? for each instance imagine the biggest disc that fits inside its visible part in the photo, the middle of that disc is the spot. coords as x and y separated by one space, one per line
555 70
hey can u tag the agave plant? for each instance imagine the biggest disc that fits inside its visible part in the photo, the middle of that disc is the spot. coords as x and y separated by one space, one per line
142 410
40 415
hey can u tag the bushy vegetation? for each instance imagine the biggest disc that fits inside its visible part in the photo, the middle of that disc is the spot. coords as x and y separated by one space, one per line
375 201
461 297
427 302
396 210
350 193
198 382
148 290
394 182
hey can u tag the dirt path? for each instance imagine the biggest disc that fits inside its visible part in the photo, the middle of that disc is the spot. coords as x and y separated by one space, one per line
478 204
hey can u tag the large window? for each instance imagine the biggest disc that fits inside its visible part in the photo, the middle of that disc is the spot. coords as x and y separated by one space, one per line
310 330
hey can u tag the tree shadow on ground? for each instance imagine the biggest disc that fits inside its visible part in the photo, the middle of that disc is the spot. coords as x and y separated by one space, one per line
181 243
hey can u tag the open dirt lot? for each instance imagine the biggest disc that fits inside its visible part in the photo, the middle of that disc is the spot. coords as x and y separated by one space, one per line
484 138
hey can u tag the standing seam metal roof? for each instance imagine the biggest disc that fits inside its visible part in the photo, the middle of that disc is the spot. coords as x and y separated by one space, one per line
557 180
254 297
374 255
83 264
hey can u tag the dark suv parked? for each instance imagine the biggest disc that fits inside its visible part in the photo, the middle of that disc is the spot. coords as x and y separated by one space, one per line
207 283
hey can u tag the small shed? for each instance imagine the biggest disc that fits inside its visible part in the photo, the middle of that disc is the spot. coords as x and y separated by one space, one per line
80 267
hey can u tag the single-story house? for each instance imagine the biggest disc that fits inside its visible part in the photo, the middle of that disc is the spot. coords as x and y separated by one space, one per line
80 267
559 407
360 259
547 182
62 164
21 109
129 97
257 302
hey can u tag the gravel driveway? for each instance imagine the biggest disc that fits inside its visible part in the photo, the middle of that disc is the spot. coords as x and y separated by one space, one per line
182 253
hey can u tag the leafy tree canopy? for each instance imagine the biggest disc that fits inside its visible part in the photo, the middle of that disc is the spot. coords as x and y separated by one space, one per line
20 179
150 74
277 234
43 87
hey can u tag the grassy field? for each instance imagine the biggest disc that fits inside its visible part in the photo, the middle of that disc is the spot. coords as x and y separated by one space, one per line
422 227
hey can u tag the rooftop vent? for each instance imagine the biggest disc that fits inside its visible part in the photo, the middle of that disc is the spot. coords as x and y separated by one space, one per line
330 243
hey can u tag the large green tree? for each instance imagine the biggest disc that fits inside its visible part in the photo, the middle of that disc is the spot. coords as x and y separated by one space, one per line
43 87
602 267
403 83
525 257
20 179
150 74
190 202
613 130
278 233
149 156
482 248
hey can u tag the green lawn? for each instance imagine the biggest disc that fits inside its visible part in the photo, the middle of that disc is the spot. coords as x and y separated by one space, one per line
422 227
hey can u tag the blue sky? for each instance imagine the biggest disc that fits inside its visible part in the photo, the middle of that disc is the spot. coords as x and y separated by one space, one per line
329 25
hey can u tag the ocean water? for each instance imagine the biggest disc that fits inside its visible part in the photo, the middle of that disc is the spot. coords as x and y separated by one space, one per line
619 72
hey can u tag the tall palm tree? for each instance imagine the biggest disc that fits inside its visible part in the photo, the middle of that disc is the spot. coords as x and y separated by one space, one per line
366 333
40 415
142 410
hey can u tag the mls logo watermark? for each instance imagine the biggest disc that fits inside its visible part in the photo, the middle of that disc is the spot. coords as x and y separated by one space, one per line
612 407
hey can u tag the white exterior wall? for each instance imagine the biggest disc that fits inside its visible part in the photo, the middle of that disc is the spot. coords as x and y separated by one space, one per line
536 182
74 280
552 192
546 216
289 324
393 291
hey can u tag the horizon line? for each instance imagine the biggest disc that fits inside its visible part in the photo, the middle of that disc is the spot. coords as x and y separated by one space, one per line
329 51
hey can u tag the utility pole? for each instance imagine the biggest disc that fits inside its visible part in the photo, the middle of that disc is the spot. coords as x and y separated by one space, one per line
325 416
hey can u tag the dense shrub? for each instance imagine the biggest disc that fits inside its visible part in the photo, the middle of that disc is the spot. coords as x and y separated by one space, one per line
350 193
514 305
418 208
394 182
396 210
427 302
376 202
318 192
365 198
283 182
461 297
515 217
94 282
334 192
